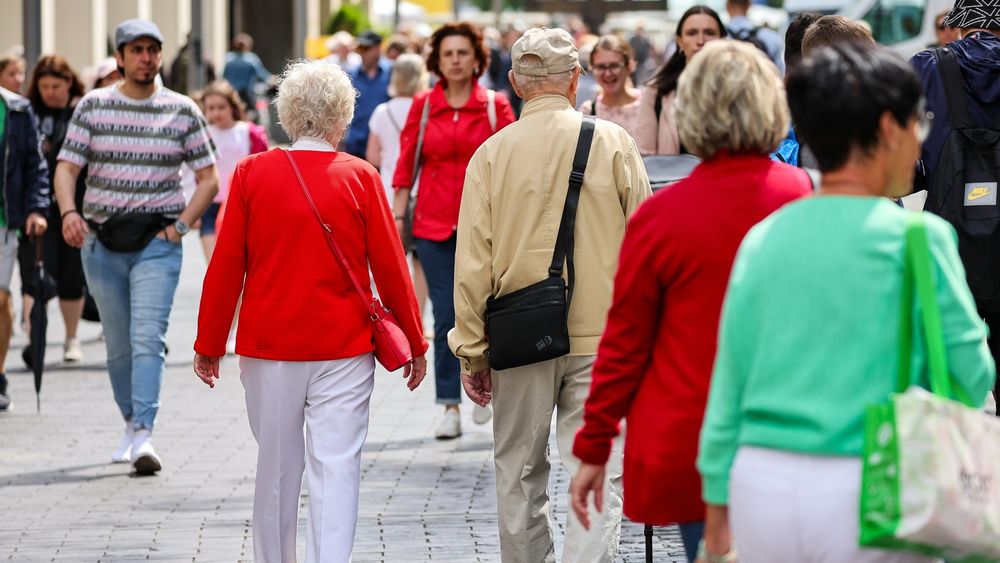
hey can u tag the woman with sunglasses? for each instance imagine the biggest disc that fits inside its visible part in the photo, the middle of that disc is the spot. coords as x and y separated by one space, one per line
612 63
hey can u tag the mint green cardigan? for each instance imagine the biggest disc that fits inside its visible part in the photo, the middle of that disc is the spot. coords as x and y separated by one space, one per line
810 330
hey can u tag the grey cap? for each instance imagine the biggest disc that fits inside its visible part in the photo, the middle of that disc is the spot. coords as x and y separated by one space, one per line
130 30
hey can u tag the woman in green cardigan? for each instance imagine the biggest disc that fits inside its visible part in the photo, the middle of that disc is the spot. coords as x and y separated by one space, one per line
810 325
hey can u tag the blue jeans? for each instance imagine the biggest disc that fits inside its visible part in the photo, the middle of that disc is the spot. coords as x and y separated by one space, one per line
438 259
691 534
134 292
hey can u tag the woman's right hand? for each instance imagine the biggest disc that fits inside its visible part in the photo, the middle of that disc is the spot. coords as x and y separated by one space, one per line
414 372
207 368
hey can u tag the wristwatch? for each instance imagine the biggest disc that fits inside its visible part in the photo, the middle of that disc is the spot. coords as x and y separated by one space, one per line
181 227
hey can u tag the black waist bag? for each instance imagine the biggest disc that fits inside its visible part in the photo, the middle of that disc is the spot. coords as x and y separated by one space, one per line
529 325
130 232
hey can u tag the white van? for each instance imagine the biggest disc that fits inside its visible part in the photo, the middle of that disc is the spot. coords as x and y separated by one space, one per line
907 26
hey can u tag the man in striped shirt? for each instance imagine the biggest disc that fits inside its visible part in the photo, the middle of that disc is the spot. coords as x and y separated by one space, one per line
134 136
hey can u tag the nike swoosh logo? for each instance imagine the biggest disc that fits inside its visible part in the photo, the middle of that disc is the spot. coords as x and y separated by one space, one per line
974 197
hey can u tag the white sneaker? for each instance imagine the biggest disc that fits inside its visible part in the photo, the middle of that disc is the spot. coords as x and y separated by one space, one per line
124 451
450 426
482 415
144 458
72 351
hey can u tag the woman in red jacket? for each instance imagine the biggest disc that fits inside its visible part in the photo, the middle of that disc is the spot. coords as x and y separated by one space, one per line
655 359
304 336
461 115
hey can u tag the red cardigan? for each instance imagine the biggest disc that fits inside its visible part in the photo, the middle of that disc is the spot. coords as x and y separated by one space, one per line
298 303
655 358
451 138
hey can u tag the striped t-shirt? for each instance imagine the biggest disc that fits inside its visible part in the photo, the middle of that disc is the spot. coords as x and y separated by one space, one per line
134 149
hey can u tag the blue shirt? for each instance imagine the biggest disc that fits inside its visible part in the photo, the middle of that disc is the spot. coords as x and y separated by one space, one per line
243 70
771 40
371 93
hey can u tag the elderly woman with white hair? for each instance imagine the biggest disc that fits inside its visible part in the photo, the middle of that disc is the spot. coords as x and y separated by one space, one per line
654 361
305 339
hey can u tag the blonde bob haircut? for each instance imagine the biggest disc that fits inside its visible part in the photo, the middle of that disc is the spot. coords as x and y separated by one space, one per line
315 99
730 97
409 76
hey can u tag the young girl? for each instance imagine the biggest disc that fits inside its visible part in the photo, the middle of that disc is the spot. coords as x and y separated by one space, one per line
234 138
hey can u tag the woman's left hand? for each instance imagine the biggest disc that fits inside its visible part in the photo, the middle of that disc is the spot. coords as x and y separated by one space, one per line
414 372
207 368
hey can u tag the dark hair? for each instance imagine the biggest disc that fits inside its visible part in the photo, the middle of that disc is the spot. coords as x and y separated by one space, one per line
793 36
665 80
465 29
57 66
838 94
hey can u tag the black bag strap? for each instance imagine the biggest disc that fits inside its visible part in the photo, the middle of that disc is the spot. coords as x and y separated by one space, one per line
954 89
564 240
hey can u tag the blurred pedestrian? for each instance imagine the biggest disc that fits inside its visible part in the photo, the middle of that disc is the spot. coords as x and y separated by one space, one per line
341 46
949 167
305 340
371 80
943 32
234 138
655 357
740 27
612 63
12 73
461 114
782 438
643 52
182 65
397 45
54 92
516 186
106 73
794 34
657 131
133 218
244 69
24 180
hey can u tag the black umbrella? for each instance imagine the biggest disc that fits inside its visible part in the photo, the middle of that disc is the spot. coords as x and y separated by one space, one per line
44 288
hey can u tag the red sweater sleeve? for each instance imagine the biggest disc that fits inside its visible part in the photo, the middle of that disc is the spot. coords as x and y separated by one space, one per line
403 177
224 279
388 265
623 357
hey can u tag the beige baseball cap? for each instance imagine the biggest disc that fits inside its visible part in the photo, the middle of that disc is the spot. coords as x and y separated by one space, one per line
554 46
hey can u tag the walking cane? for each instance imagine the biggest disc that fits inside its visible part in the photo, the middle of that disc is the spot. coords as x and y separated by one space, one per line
649 543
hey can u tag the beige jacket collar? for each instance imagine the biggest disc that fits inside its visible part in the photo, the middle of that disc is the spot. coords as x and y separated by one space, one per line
546 102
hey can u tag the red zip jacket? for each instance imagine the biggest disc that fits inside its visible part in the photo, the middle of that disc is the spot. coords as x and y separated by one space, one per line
451 138
298 303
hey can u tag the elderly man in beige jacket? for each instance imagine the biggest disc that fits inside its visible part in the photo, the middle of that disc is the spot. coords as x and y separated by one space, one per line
512 203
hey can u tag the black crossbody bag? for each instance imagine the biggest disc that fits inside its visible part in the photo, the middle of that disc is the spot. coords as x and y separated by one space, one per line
529 325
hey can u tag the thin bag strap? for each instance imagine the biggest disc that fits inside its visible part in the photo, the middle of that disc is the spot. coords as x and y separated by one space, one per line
491 109
954 89
417 158
330 241
567 225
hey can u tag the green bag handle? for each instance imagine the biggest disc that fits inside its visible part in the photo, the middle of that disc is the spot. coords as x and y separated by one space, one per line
918 275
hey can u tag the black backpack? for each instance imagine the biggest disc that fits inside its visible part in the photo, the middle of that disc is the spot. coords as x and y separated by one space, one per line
749 36
964 186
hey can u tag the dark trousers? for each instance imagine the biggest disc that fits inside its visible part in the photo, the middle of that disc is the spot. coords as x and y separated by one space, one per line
438 259
992 319
691 534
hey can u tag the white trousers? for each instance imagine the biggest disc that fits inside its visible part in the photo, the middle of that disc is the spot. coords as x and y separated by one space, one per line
786 507
331 399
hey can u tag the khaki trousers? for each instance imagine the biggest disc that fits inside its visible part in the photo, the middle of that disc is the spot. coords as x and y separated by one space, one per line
523 401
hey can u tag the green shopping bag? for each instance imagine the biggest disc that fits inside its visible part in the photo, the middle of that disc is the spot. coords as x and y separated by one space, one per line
931 476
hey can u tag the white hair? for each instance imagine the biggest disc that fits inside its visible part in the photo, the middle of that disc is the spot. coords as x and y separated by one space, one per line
533 85
315 99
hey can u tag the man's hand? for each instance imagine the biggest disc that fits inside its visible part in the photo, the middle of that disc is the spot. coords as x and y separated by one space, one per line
588 478
718 541
74 228
478 386
170 233
35 225
414 372
206 368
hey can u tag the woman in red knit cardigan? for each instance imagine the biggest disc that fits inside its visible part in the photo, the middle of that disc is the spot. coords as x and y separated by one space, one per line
655 358
304 336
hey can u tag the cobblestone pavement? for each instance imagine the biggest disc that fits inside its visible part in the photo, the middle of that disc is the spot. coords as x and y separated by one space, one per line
61 499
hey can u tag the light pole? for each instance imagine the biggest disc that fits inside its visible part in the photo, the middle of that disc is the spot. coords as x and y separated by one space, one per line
32 30
196 60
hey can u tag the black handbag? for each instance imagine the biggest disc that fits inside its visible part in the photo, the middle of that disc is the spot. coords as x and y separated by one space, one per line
130 232
529 325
